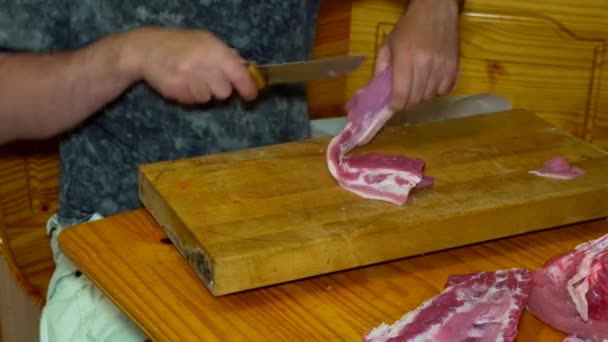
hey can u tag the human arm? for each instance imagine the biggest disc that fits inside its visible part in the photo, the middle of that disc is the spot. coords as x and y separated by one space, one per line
45 94
423 49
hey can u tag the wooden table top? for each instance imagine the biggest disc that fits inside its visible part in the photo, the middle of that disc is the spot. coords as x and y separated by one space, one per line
133 262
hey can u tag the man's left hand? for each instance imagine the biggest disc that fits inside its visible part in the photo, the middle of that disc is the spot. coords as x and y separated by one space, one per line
423 50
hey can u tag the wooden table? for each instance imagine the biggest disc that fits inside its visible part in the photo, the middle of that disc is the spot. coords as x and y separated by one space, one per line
130 258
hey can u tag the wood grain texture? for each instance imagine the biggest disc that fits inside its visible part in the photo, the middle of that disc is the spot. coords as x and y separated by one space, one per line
326 97
586 18
28 196
128 258
533 60
267 215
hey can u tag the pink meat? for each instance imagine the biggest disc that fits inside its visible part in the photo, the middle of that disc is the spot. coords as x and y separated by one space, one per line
558 168
374 176
485 306
574 338
570 292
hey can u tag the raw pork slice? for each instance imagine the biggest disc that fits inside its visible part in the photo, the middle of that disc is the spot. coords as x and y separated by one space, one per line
375 176
558 168
484 306
570 292
574 338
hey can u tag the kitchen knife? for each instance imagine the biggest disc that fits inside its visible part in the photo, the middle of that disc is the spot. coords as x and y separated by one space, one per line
268 74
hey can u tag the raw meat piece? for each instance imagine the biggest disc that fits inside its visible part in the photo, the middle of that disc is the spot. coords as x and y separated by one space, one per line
570 292
558 168
374 176
484 306
574 338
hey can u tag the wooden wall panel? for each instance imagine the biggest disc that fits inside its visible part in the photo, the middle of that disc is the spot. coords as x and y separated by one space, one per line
326 97
583 18
598 123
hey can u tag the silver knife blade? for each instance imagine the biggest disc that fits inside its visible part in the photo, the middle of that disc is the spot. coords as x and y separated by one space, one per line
309 70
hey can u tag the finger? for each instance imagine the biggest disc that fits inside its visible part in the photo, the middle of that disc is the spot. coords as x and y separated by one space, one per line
382 58
448 84
402 78
219 85
237 74
432 85
418 86
200 91
176 91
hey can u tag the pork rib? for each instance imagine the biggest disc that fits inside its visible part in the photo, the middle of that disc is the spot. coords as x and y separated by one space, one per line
570 292
484 306
375 176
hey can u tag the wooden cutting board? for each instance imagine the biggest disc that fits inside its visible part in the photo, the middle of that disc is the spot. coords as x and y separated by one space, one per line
268 215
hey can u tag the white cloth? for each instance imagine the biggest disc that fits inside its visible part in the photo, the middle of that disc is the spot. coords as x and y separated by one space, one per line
76 310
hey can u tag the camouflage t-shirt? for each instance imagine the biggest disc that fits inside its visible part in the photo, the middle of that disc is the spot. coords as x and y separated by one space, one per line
99 159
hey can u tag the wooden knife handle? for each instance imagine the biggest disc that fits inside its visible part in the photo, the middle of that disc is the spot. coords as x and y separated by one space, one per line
258 78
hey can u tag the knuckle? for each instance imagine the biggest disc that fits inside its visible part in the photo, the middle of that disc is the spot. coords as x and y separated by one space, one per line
183 68
425 60
237 71
203 97
452 67
223 93
400 90
449 66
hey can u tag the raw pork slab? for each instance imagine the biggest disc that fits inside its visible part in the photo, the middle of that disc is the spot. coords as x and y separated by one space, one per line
374 176
570 292
484 306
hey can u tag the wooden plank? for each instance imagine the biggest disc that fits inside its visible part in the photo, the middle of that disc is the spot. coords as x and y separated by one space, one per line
154 285
267 215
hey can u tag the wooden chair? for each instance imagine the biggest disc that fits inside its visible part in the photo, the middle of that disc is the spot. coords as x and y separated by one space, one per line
542 56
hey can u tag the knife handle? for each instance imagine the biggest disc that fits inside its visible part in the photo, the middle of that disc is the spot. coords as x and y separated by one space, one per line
256 75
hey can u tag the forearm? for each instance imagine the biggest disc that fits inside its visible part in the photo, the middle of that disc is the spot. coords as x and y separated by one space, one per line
455 6
43 95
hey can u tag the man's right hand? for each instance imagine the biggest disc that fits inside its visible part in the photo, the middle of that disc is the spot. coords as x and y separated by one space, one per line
189 66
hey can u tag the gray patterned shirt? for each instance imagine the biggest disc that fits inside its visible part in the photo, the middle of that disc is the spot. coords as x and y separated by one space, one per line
99 159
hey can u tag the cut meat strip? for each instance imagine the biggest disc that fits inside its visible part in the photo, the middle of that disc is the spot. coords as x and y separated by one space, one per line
570 292
484 306
558 168
375 176
574 338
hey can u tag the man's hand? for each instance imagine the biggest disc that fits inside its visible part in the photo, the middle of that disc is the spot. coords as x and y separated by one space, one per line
188 66
423 50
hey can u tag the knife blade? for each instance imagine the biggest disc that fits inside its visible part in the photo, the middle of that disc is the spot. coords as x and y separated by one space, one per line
267 74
